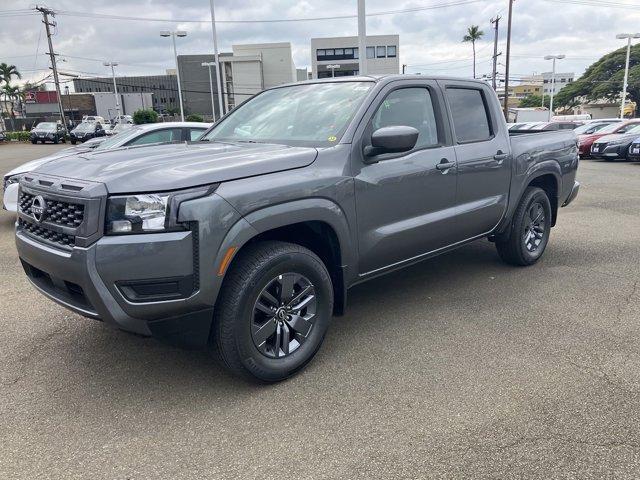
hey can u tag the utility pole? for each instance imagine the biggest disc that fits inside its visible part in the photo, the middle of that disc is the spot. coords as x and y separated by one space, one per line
47 25
215 57
362 38
115 87
404 66
506 66
628 37
495 22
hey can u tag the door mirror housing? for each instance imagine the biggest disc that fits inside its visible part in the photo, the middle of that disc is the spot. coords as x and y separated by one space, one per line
395 139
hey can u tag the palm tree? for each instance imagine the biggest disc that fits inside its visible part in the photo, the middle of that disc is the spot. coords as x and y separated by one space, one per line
7 72
11 94
473 35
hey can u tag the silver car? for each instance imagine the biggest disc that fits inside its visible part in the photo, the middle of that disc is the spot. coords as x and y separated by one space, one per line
135 135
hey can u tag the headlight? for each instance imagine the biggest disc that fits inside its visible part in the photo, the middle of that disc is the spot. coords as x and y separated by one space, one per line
149 212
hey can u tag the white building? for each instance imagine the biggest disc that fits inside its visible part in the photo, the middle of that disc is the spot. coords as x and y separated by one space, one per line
545 79
383 53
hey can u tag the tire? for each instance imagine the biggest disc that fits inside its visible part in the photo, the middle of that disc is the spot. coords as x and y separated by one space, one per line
56 141
525 245
34 141
73 142
240 327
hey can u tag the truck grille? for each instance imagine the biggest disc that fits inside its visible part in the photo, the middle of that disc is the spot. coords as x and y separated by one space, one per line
43 233
61 213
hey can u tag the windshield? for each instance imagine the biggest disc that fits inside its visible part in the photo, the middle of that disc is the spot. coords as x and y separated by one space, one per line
119 138
314 114
46 126
85 127
634 131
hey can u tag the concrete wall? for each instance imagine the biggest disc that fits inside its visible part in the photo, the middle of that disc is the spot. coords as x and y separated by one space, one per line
196 89
277 61
375 66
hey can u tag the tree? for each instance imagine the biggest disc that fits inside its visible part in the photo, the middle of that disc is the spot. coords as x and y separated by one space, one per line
7 72
473 35
145 116
534 101
603 80
11 94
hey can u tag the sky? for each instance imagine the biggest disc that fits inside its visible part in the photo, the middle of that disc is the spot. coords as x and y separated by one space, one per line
430 39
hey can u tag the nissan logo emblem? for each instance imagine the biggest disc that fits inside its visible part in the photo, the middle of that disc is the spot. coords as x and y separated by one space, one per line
38 208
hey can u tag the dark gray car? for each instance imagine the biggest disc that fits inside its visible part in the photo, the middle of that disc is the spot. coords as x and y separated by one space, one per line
248 241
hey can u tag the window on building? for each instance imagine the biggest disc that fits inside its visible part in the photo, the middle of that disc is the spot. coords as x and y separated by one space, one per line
371 52
355 53
321 53
410 107
348 51
381 52
391 51
330 52
469 114
338 52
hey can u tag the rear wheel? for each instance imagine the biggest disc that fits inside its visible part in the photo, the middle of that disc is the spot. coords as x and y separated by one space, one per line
273 311
529 231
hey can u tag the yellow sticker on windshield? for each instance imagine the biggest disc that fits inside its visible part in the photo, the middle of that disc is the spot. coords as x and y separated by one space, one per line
332 138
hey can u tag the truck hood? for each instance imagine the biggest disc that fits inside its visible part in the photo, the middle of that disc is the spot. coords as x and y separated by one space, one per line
171 167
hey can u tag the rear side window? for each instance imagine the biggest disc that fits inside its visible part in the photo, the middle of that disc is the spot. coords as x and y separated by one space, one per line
159 136
196 133
469 114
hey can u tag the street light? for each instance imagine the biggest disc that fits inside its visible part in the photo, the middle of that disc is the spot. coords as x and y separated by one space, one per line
213 103
333 68
115 88
553 80
173 35
628 37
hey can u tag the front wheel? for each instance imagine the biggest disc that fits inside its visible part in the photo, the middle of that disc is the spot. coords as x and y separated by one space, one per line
529 231
273 311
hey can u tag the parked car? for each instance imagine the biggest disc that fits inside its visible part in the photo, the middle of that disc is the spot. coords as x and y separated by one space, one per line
85 131
48 132
93 119
122 119
135 135
548 126
248 240
589 128
634 150
586 140
614 146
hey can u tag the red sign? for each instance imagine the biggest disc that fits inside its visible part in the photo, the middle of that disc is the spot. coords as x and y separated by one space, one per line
41 97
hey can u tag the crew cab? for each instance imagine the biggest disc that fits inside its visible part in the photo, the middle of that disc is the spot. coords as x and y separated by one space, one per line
247 241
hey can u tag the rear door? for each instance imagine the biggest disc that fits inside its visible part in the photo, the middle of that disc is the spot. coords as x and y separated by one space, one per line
482 151
405 202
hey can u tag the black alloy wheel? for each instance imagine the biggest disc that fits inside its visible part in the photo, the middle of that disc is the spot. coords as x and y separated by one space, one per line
534 228
283 315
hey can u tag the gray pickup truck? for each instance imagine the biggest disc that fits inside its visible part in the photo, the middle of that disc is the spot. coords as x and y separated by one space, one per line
248 240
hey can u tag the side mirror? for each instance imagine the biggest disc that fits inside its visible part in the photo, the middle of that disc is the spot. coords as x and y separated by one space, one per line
394 139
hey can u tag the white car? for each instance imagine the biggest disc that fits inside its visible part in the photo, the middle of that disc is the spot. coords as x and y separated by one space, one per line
135 135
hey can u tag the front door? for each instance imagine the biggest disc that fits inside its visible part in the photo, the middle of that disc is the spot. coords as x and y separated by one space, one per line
405 203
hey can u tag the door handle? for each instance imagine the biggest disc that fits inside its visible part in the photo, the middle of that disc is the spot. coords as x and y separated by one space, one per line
445 165
501 157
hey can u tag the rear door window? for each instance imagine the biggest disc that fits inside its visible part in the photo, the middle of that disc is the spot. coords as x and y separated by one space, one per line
169 135
196 133
471 120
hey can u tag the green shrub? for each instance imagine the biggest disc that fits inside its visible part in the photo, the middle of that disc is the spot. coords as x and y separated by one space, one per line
194 118
19 136
145 116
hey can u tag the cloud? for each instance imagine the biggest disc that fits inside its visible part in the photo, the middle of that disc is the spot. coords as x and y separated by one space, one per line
430 41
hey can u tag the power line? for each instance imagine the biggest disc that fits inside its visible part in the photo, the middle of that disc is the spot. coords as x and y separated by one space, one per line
453 3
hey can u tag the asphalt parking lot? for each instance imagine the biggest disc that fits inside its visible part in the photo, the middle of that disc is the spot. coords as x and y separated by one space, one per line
460 367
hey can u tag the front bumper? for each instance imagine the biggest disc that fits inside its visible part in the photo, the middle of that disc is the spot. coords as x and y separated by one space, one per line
609 151
158 284
634 152
10 197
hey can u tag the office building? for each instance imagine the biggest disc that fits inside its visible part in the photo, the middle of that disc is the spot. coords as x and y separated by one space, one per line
341 53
